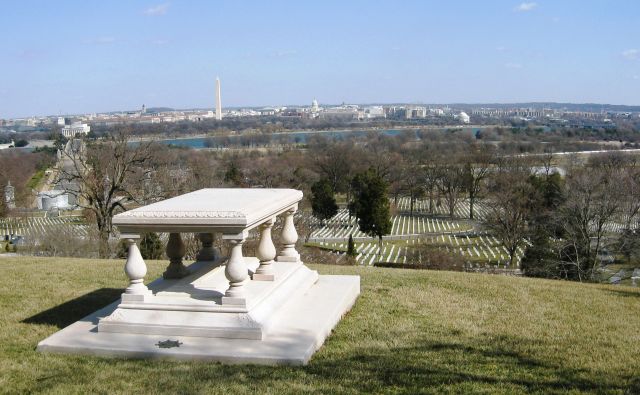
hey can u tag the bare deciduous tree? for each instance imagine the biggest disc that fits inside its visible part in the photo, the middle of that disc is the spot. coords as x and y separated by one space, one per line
592 202
410 180
103 177
477 164
430 177
510 204
335 163
450 184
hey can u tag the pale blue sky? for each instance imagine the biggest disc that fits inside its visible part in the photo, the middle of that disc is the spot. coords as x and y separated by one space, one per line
93 56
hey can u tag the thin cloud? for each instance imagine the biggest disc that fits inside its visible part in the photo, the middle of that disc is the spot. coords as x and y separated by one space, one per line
514 66
100 40
284 53
28 54
524 7
159 9
159 42
631 54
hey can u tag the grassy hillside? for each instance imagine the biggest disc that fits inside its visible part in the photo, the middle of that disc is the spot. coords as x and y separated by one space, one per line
409 332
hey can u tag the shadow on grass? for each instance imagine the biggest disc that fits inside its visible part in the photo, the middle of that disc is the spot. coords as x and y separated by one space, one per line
624 293
425 367
419 365
435 364
73 310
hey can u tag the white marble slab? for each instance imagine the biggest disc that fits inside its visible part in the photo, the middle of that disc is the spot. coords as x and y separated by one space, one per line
192 306
209 210
302 325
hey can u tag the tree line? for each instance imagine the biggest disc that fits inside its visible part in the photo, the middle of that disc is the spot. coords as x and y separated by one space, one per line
563 222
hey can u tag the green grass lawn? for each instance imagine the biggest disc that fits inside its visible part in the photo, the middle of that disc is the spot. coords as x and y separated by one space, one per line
409 332
35 180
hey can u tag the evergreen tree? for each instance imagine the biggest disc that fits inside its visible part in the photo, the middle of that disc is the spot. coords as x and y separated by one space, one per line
351 247
371 205
323 200
234 175
151 246
541 257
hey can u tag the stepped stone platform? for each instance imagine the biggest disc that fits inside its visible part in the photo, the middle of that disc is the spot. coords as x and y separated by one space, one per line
269 309
303 321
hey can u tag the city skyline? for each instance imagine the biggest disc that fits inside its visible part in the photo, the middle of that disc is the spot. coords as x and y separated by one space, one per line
73 58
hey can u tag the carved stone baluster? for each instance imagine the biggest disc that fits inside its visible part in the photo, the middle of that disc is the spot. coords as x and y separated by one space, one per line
266 253
289 238
207 252
175 251
135 269
236 271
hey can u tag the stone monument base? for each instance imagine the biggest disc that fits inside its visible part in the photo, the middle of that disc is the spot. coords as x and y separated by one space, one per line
283 322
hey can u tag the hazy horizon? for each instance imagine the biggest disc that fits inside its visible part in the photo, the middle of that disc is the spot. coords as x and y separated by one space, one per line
74 57
293 105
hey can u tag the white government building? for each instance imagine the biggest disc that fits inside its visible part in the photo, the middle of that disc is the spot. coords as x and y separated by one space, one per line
75 129
53 199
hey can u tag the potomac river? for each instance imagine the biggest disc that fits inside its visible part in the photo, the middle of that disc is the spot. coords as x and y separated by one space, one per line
296 137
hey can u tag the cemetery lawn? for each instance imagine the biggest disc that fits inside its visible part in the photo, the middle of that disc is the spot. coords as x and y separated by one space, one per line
36 179
409 332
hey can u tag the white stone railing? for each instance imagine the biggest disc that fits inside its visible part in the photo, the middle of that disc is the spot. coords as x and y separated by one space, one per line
230 212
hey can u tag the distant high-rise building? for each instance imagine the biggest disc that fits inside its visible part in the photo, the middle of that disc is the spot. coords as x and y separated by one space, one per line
144 110
218 100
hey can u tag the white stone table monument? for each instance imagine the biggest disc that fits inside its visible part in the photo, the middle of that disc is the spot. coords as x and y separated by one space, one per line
266 309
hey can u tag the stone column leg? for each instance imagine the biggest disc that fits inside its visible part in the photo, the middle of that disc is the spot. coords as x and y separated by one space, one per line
266 253
236 271
135 269
289 238
207 252
175 251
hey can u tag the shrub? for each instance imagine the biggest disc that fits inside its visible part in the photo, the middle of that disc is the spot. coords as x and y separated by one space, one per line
151 247
351 247
424 256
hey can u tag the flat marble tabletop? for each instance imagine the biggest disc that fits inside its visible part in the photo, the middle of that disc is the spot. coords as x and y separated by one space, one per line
212 209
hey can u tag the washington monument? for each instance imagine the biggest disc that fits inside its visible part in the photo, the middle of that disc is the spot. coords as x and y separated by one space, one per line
218 100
